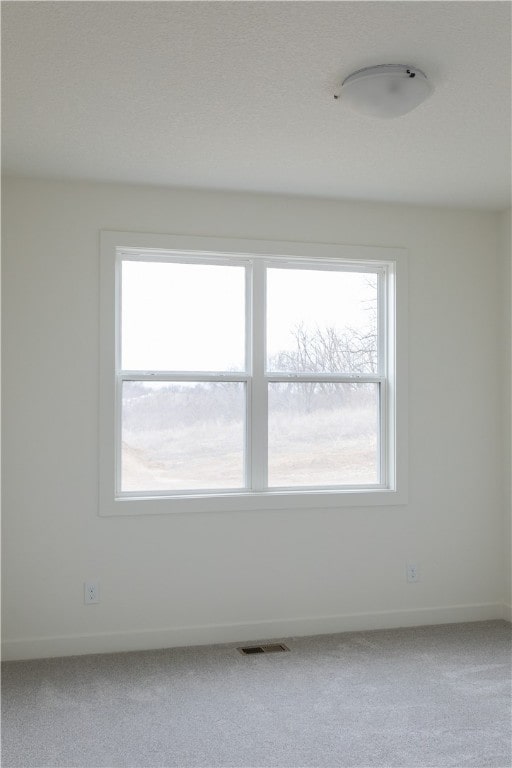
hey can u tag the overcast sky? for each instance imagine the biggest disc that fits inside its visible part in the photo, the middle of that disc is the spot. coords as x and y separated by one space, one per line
191 316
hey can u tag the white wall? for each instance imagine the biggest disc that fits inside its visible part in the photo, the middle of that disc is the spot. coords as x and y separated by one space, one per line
225 576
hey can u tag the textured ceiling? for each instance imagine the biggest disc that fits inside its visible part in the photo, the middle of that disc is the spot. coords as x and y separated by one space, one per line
239 95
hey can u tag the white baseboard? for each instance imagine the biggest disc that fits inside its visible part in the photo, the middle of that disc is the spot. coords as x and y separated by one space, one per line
507 612
138 640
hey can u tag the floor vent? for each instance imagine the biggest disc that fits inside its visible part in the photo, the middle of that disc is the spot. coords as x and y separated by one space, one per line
276 648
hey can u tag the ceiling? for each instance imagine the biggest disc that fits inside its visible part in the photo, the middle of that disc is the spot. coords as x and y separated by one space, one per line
239 96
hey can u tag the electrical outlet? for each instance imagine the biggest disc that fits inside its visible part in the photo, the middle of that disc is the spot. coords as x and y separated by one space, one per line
91 592
412 573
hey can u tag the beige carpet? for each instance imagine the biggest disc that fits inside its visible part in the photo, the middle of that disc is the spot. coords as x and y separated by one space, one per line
429 696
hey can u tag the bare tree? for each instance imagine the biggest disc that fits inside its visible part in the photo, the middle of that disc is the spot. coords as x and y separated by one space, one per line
327 350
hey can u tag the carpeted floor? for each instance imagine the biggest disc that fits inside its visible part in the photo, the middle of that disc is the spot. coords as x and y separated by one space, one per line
428 696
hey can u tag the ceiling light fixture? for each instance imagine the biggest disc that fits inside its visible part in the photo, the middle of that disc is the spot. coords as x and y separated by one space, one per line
387 90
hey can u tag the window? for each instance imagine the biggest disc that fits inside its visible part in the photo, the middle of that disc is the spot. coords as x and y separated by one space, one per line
241 374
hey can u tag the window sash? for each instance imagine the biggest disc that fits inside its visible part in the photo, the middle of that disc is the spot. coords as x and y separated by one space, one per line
255 305
255 450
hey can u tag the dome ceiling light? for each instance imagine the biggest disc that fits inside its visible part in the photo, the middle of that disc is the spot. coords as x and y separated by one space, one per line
387 90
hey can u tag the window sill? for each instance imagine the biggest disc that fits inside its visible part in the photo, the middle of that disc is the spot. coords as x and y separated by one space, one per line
246 502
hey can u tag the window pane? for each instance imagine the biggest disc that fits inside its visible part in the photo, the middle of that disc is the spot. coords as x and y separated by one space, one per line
321 321
323 434
182 436
182 317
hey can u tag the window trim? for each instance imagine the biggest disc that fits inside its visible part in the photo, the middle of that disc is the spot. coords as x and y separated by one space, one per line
221 250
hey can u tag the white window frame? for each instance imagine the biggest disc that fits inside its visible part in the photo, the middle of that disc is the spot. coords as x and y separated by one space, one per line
390 263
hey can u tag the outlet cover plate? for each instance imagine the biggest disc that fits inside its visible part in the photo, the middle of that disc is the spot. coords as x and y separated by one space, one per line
412 573
91 592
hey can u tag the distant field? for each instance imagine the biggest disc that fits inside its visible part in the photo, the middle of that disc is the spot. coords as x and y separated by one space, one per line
326 447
